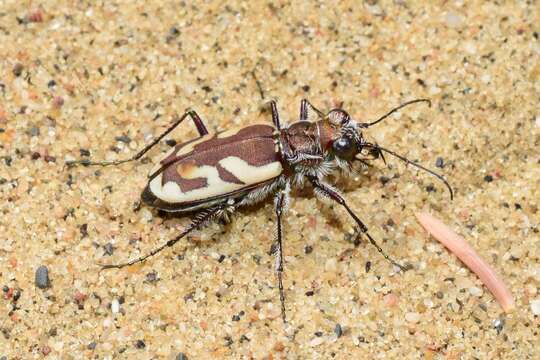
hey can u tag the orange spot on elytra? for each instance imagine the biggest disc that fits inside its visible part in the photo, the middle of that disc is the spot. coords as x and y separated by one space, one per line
185 170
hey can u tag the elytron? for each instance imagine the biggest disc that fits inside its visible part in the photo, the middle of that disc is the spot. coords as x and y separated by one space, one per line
213 175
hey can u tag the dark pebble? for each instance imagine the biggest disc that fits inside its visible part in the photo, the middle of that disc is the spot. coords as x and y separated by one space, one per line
140 344
42 277
18 69
49 158
368 266
170 142
174 31
498 324
152 277
35 155
91 346
34 131
306 88
309 293
318 334
109 248
181 356
84 230
228 341
439 162
439 294
362 339
430 188
51 84
123 138
308 249
84 152
221 258
338 330
236 318
244 338
384 179
16 295
488 178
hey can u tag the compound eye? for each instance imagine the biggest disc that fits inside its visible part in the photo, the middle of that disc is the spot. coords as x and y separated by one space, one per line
343 147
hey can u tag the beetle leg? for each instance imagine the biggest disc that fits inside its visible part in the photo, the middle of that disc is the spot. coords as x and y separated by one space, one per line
201 128
275 114
306 108
329 192
280 201
200 219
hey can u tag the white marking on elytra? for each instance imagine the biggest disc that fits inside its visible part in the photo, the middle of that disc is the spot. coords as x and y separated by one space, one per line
171 192
250 174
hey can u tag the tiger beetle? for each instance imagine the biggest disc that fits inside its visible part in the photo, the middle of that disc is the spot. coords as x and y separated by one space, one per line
213 175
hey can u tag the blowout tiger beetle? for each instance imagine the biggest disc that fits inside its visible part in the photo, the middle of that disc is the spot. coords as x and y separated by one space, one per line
213 175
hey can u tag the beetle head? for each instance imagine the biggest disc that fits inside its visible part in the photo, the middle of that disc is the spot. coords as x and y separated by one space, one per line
347 141
348 144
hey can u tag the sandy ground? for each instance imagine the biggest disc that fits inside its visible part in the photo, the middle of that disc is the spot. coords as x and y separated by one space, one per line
79 80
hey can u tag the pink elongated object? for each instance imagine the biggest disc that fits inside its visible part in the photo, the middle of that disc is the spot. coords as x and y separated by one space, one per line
469 257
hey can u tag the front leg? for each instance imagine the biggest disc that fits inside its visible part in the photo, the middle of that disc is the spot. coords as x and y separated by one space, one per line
280 202
329 192
275 114
308 111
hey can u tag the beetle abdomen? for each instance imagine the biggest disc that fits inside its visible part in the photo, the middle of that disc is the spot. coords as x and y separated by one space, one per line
215 166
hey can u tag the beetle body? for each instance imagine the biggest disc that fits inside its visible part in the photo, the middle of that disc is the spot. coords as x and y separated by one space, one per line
215 174
214 168
242 166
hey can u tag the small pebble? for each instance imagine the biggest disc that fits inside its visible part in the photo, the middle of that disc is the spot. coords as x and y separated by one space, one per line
412 317
170 142
123 138
390 299
453 20
115 306
488 178
140 344
34 131
45 350
146 215
535 306
498 324
57 102
91 346
316 341
181 356
338 330
17 69
42 277
475 291
152 277
109 249
439 162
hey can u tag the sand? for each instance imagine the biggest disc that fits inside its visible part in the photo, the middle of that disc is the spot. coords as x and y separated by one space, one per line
100 81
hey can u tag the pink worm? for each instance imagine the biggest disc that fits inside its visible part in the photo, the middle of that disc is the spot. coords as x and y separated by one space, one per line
469 257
